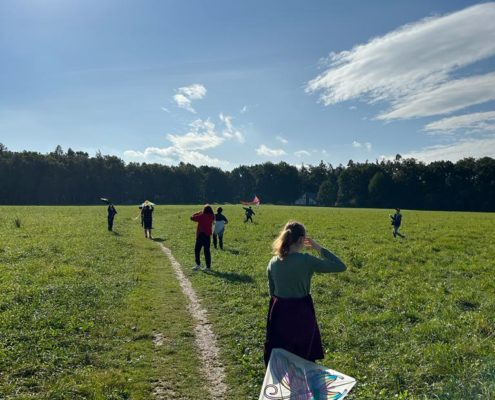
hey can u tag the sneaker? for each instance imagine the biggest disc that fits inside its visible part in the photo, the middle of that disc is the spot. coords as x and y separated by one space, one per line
196 267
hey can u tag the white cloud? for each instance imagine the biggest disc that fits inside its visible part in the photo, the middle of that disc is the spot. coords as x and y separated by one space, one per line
230 132
301 153
475 122
186 94
244 109
414 63
201 136
282 140
359 145
265 151
477 148
444 98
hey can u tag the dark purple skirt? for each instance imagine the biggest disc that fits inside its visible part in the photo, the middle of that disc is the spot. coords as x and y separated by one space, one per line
291 325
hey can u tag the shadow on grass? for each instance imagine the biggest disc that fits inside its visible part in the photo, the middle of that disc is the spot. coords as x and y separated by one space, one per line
116 233
233 251
231 276
158 240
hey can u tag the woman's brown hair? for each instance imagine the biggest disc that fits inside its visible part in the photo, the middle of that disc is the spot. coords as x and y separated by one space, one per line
289 235
208 210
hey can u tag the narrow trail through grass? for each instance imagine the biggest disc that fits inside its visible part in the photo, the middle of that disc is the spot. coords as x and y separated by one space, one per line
206 342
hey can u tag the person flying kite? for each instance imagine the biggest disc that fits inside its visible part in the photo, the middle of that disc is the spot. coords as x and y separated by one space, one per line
249 214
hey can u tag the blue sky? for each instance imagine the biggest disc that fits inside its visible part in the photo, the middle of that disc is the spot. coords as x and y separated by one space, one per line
241 82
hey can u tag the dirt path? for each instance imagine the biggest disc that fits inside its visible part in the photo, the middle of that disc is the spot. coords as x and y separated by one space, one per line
211 366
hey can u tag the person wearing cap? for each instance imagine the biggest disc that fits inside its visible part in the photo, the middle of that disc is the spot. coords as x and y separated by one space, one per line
396 222
147 218
220 222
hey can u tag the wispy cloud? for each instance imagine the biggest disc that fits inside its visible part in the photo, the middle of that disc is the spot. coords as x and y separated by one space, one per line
265 151
475 122
359 145
411 68
165 109
458 150
282 140
444 98
244 109
186 94
230 131
302 153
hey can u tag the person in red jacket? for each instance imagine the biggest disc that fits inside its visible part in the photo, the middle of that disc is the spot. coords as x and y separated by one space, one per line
205 220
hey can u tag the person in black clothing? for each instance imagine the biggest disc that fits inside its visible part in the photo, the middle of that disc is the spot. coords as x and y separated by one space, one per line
147 218
220 222
249 214
396 222
111 214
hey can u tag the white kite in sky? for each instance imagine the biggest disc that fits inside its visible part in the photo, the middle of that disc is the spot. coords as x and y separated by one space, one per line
289 377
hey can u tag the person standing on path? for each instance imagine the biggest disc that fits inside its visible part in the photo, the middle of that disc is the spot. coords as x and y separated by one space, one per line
396 222
291 320
249 214
111 214
220 222
205 220
147 218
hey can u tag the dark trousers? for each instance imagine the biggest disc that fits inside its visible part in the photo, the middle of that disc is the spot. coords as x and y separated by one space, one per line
110 223
203 240
248 218
220 240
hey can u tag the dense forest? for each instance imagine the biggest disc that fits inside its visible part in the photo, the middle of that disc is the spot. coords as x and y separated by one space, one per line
73 177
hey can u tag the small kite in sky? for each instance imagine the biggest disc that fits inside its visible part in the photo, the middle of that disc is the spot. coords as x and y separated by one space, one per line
289 377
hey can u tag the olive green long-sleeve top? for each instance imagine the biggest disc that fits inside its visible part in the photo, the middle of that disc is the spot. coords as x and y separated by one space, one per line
291 277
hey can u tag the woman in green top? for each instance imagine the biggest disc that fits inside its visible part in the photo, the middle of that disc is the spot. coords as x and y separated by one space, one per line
291 319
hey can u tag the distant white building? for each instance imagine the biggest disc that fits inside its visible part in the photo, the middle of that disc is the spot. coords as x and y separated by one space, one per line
307 199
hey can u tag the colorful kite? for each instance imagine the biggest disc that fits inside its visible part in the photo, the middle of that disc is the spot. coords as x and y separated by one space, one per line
255 201
294 378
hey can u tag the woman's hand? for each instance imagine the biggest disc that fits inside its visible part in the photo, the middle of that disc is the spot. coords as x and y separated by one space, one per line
311 244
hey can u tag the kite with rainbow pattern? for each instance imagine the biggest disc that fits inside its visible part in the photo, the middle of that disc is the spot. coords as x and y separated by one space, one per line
294 378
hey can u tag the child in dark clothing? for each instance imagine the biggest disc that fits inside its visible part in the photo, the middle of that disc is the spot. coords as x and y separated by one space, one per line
147 218
220 222
249 214
111 214
396 222
205 220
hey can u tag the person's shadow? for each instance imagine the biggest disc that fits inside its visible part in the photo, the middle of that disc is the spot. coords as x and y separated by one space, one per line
232 276
158 240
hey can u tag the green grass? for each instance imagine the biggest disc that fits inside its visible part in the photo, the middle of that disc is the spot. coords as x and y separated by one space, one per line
410 319
79 307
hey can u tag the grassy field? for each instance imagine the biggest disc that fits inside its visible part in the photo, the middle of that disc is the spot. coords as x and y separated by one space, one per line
79 307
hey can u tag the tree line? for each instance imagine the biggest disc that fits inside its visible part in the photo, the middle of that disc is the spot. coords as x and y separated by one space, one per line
74 177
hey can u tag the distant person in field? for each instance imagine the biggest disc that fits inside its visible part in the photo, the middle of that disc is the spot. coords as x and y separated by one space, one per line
249 214
291 321
147 218
396 222
111 214
205 220
220 222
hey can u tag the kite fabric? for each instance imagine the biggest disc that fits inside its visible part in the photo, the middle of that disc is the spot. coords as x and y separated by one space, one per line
289 377
105 200
256 201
